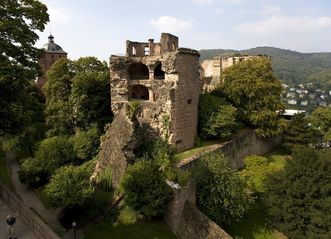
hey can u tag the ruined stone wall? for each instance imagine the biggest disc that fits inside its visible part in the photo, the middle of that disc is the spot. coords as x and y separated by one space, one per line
187 221
245 144
117 147
184 115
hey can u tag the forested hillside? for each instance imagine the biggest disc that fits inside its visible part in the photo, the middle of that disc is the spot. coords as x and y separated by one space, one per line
290 66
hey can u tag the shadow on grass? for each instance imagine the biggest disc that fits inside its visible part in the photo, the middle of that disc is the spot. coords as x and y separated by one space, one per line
156 229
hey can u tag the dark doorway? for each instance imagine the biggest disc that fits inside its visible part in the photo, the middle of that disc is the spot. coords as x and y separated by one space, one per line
138 71
158 72
139 92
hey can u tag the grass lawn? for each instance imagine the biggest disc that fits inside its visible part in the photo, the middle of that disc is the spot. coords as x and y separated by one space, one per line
4 174
253 227
138 230
196 150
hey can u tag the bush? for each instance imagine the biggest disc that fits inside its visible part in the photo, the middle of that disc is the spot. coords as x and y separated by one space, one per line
54 153
33 173
145 189
221 194
69 187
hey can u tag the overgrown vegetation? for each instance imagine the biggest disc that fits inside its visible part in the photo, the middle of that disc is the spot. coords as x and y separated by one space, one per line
221 194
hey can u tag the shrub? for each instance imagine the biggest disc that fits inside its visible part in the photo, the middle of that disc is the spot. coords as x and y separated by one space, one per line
69 187
54 153
145 189
33 173
221 194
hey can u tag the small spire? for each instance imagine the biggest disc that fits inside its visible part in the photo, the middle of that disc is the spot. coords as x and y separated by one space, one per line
50 38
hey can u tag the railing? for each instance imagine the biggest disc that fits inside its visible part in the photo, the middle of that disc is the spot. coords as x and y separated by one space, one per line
34 222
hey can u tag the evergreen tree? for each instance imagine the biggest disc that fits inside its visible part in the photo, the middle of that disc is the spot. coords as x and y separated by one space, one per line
300 132
298 200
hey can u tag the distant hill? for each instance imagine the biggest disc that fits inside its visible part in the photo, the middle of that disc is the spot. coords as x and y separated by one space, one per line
290 66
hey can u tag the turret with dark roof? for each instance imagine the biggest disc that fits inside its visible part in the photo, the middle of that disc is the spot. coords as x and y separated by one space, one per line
53 52
52 47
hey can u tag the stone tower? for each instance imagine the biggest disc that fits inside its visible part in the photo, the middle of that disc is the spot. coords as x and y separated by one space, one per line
52 52
164 79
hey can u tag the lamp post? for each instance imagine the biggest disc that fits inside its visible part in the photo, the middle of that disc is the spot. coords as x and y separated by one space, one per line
74 224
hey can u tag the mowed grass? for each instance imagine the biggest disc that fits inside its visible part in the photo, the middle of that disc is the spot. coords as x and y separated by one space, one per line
4 173
195 150
138 230
253 226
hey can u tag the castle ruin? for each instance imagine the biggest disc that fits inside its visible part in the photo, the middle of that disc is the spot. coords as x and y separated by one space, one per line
164 80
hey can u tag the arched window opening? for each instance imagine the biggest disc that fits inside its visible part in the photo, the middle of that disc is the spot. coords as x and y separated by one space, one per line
139 92
146 51
134 51
173 46
138 71
158 72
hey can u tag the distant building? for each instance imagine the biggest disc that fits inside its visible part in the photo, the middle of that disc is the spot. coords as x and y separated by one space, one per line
304 103
292 102
53 52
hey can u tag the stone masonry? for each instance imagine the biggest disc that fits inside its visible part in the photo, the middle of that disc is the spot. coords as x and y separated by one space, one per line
164 80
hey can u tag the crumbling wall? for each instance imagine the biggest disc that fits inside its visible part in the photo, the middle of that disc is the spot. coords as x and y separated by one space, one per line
117 147
196 225
187 221
247 143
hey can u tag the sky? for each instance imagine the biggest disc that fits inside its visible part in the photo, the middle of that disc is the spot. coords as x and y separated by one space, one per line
101 27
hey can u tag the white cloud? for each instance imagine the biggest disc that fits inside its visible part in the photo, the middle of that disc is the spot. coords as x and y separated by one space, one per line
220 11
170 24
202 2
58 15
283 24
268 10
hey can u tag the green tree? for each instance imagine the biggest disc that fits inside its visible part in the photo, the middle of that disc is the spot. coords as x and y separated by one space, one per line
252 88
85 143
221 194
217 119
77 95
300 132
145 189
90 93
69 187
59 113
52 154
298 198
320 120
18 61
32 130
